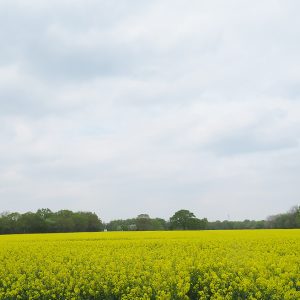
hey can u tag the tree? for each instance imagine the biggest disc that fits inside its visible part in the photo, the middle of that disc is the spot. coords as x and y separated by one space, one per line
159 224
290 219
44 213
93 222
196 223
143 222
295 216
31 222
44 220
186 220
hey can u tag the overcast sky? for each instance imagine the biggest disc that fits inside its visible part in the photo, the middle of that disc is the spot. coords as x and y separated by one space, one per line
129 107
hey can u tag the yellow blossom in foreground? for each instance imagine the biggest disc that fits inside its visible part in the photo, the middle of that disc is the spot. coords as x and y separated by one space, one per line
249 264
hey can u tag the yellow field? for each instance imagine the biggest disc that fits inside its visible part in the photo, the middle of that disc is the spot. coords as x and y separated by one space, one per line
258 264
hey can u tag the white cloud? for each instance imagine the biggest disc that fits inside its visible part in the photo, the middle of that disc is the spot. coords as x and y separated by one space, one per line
132 107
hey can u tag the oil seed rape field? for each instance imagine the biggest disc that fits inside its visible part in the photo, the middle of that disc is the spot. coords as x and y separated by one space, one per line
257 264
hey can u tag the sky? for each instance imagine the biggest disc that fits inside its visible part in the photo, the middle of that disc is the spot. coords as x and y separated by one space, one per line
134 106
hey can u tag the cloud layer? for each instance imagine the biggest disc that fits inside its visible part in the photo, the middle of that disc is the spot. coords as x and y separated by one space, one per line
149 107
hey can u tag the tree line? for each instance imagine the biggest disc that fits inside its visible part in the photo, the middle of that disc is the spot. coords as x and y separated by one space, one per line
181 220
288 220
46 221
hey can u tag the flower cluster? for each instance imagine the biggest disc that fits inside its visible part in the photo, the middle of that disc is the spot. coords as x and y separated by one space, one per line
257 264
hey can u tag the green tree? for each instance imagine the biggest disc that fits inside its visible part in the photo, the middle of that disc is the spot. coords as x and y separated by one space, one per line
44 213
143 222
31 222
159 224
186 220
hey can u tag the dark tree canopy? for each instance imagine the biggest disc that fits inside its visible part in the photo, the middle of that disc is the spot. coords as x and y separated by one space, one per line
141 223
186 220
44 220
291 219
